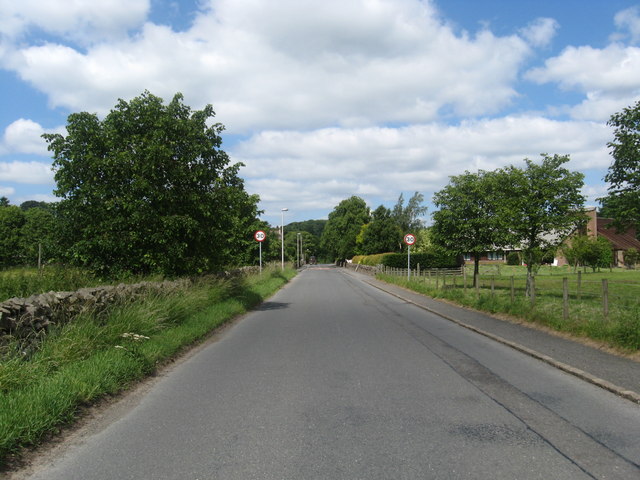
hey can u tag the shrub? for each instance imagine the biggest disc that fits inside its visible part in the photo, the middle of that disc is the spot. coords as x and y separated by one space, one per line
513 258
372 260
431 259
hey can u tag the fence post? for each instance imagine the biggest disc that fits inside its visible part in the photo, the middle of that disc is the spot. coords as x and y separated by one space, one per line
565 298
605 298
533 291
579 285
493 286
418 270
437 280
513 290
476 282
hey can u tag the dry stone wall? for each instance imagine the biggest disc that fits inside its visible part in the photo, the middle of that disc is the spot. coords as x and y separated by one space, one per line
21 317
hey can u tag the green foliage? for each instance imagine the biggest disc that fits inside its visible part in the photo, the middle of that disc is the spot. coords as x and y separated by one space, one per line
631 257
409 218
623 199
434 259
379 235
314 227
539 205
371 260
12 220
148 189
589 252
467 221
513 258
342 228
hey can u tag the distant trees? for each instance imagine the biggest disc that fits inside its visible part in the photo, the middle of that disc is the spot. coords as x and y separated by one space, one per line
148 189
352 229
594 252
25 232
623 200
342 228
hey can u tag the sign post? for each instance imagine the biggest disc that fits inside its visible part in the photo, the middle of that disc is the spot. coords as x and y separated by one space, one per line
409 239
260 237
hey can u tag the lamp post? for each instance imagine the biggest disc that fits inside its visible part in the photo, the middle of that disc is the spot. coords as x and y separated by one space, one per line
298 248
282 234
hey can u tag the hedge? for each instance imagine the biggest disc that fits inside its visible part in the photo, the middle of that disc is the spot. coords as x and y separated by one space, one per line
425 260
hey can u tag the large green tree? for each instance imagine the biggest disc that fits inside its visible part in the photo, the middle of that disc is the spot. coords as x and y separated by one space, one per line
148 189
342 228
540 205
380 235
467 220
623 200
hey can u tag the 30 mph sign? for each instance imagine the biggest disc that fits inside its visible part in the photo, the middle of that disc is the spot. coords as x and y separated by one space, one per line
409 239
260 236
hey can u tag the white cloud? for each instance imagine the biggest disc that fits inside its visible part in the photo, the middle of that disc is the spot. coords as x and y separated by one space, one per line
292 64
628 21
608 77
540 32
26 172
320 166
79 20
24 136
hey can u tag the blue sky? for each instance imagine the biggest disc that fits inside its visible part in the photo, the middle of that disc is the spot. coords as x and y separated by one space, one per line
327 99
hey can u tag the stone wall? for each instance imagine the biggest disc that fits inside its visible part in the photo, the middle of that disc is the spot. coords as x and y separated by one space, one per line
21 317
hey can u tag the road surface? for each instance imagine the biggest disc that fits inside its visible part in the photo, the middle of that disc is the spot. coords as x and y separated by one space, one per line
335 379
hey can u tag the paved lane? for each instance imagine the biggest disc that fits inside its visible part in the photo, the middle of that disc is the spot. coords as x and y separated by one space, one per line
333 379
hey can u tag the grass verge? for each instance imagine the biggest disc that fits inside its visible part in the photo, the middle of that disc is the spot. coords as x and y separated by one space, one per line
620 329
95 356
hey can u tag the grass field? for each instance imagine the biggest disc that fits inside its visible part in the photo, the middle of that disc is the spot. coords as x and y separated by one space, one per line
98 355
613 319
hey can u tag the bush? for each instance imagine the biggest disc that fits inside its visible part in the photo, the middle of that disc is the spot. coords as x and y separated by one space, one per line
432 259
513 258
371 260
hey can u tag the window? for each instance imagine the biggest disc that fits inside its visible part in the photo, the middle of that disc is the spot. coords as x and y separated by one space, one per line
495 255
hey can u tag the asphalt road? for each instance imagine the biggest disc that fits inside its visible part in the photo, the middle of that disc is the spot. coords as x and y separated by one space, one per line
334 379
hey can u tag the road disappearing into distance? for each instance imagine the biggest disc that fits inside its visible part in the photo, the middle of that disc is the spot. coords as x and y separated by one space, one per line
333 378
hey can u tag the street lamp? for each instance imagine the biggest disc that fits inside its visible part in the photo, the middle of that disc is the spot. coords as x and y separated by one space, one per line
282 234
298 248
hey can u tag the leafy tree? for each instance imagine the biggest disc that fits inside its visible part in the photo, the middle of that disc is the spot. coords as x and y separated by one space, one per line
342 228
409 218
4 202
11 221
631 257
467 220
539 206
598 253
380 235
623 200
148 189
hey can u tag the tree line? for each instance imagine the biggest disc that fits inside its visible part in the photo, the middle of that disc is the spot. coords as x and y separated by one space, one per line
531 209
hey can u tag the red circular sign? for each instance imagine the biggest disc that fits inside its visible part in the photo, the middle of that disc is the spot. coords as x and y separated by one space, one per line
409 239
260 236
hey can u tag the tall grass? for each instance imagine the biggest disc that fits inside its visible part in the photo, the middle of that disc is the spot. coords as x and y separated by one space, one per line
619 329
97 355
24 282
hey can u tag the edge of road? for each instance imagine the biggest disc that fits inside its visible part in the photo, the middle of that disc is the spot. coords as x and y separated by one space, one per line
395 290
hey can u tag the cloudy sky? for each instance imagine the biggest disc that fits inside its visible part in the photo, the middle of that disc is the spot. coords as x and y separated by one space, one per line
324 99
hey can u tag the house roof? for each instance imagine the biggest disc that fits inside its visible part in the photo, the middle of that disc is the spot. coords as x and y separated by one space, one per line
620 241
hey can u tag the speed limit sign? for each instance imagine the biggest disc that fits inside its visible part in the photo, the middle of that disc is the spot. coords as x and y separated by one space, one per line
260 236
409 239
